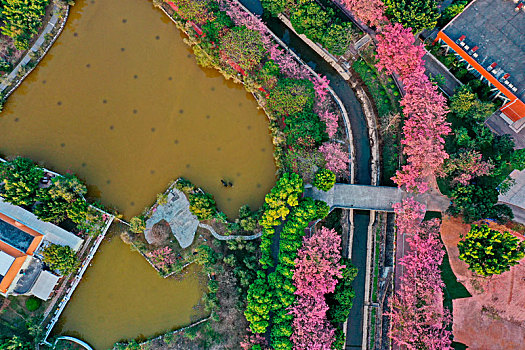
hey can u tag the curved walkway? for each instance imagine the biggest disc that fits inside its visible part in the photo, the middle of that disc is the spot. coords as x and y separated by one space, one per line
75 340
229 238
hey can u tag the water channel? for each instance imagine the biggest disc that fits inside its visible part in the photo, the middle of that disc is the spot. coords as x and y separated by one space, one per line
363 156
120 101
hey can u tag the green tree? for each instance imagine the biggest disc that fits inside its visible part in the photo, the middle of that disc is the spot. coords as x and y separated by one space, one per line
517 159
56 201
310 19
274 7
15 343
338 38
305 130
341 300
416 14
291 96
21 20
137 225
324 180
61 258
202 205
478 201
21 178
242 46
490 252
452 11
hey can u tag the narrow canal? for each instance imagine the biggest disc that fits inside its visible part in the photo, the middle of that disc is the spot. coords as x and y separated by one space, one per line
120 101
363 156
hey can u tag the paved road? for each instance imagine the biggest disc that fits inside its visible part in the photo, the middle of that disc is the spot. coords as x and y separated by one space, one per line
378 198
500 127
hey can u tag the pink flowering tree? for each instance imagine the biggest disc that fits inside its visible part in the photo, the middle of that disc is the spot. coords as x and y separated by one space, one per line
370 12
254 341
409 215
336 158
397 53
331 121
162 258
419 320
423 106
464 167
317 269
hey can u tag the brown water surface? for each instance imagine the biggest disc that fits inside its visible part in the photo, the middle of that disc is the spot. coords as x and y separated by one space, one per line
120 101
121 297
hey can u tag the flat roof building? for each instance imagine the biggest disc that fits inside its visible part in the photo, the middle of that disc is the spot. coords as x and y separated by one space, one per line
489 37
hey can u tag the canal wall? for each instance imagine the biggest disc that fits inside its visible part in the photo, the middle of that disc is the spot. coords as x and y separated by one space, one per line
366 103
76 280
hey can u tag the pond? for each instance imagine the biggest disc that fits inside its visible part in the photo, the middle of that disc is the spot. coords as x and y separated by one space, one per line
120 101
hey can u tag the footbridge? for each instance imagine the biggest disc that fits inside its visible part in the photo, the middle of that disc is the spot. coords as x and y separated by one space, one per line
380 198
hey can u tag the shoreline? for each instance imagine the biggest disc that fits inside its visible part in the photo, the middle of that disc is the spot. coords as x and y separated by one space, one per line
14 78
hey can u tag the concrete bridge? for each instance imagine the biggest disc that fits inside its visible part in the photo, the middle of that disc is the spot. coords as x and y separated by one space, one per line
378 198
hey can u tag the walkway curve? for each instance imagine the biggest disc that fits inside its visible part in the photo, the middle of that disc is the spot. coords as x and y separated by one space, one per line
74 340
229 238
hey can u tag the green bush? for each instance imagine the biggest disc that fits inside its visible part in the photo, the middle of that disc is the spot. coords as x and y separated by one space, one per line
32 304
21 178
137 224
324 180
490 252
22 19
202 205
416 14
291 96
60 258
341 300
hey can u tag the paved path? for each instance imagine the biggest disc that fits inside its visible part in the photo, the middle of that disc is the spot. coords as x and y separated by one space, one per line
75 340
36 46
229 238
378 198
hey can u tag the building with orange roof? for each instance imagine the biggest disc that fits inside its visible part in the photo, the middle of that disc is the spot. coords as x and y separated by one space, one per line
488 37
22 234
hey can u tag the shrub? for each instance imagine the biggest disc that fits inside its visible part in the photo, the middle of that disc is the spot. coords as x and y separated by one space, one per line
490 252
416 14
517 159
32 304
22 19
137 225
324 180
202 205
242 46
291 96
60 258
21 177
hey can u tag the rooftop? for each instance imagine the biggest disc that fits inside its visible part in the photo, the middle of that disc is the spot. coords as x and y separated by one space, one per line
498 31
6 261
28 222
15 237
